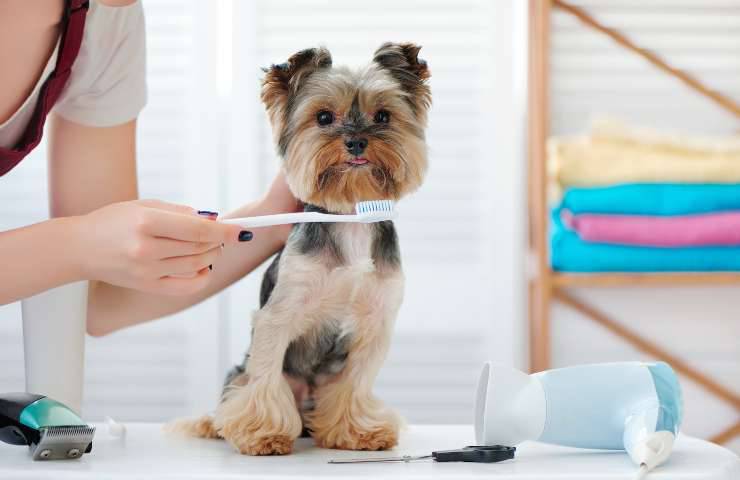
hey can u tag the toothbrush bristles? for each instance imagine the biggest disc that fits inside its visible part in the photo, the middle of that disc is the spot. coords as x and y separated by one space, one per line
373 206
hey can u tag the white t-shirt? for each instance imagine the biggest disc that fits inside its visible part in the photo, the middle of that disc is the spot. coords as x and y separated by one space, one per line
108 82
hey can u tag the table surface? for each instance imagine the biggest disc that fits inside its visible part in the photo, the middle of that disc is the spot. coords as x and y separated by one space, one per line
146 452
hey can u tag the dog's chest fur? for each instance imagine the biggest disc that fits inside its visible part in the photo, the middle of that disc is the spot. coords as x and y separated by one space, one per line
332 250
354 242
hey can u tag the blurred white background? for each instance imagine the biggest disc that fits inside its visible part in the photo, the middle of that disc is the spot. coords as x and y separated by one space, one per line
204 140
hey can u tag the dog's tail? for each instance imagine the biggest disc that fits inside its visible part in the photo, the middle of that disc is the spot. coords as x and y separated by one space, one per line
201 427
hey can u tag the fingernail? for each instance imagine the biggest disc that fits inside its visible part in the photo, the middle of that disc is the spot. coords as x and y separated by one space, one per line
210 267
245 236
207 213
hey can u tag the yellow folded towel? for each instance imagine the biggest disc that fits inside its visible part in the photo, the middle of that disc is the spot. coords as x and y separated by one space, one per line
613 154
611 130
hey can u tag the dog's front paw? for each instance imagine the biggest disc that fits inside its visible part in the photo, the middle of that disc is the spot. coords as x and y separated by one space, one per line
354 424
259 418
349 436
272 445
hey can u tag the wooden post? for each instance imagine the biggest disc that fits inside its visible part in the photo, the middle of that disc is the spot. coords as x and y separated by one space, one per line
540 289
727 434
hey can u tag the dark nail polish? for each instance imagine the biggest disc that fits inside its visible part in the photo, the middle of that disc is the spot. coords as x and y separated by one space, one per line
207 213
245 236
210 267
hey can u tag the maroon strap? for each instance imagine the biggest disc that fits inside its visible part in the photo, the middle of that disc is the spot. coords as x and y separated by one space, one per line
73 27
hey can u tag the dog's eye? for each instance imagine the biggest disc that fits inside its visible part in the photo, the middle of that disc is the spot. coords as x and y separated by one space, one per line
382 116
324 118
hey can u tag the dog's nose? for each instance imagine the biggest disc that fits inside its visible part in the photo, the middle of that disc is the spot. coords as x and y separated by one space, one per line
356 146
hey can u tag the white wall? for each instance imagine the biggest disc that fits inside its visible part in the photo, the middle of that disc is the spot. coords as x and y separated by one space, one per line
591 75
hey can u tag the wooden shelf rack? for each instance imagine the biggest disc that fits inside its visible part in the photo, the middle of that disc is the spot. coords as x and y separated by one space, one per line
548 286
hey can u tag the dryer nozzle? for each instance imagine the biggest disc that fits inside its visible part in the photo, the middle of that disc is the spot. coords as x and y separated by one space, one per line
510 406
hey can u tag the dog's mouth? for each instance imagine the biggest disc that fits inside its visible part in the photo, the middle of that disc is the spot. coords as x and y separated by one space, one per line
357 161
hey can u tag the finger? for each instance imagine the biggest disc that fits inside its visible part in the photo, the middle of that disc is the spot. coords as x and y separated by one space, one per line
175 208
208 215
184 286
188 228
167 248
189 263
185 275
168 207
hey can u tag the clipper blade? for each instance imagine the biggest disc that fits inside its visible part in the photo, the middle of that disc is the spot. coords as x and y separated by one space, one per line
62 443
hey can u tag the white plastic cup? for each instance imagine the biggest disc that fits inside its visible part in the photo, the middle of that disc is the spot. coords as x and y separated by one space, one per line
54 326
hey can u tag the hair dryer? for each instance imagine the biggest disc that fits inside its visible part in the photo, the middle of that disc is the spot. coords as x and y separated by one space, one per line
630 406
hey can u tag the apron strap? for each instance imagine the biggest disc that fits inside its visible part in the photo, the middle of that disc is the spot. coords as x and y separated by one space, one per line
74 14
73 29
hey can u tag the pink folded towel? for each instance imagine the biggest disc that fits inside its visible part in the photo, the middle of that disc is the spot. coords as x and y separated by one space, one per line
712 229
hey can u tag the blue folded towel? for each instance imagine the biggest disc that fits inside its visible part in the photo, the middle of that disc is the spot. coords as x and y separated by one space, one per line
571 254
653 199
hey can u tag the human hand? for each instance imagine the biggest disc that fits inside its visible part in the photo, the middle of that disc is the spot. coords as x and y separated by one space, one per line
279 199
152 246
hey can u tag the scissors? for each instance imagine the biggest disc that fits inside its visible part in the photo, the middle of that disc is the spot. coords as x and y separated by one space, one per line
473 453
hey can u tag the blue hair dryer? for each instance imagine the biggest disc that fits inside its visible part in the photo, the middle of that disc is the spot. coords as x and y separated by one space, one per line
630 406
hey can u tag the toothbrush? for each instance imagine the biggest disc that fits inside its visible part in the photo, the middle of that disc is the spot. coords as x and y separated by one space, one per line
365 212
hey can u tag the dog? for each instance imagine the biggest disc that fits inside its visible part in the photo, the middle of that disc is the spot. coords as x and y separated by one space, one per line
329 299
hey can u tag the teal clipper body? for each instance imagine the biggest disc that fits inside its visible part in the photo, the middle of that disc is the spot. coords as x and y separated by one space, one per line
49 428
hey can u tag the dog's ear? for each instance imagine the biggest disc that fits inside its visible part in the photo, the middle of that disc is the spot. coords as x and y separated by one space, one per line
282 81
403 63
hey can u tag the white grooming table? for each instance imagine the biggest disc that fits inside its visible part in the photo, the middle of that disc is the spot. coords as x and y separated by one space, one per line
146 452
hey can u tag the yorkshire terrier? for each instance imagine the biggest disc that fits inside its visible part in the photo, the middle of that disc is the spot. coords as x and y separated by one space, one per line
329 299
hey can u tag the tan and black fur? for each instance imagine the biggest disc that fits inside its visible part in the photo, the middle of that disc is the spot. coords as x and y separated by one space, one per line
329 299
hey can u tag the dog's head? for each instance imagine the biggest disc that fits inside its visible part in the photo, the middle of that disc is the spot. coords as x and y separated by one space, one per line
347 136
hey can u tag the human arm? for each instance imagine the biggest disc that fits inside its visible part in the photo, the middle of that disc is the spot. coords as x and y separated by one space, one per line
48 254
111 308
104 159
135 243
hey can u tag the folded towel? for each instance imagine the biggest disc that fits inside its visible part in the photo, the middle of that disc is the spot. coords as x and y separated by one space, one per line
712 229
571 254
653 199
613 130
585 161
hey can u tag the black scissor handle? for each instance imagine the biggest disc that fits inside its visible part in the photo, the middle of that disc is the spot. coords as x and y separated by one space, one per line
475 453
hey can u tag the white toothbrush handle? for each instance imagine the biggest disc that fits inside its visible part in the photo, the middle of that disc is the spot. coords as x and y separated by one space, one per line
286 218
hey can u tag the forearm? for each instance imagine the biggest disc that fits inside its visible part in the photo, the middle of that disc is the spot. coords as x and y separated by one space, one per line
39 257
111 308
130 246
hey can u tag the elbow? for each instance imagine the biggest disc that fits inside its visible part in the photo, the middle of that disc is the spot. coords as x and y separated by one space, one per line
99 317
96 328
98 323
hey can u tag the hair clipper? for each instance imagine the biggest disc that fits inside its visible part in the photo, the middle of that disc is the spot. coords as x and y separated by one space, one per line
50 429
